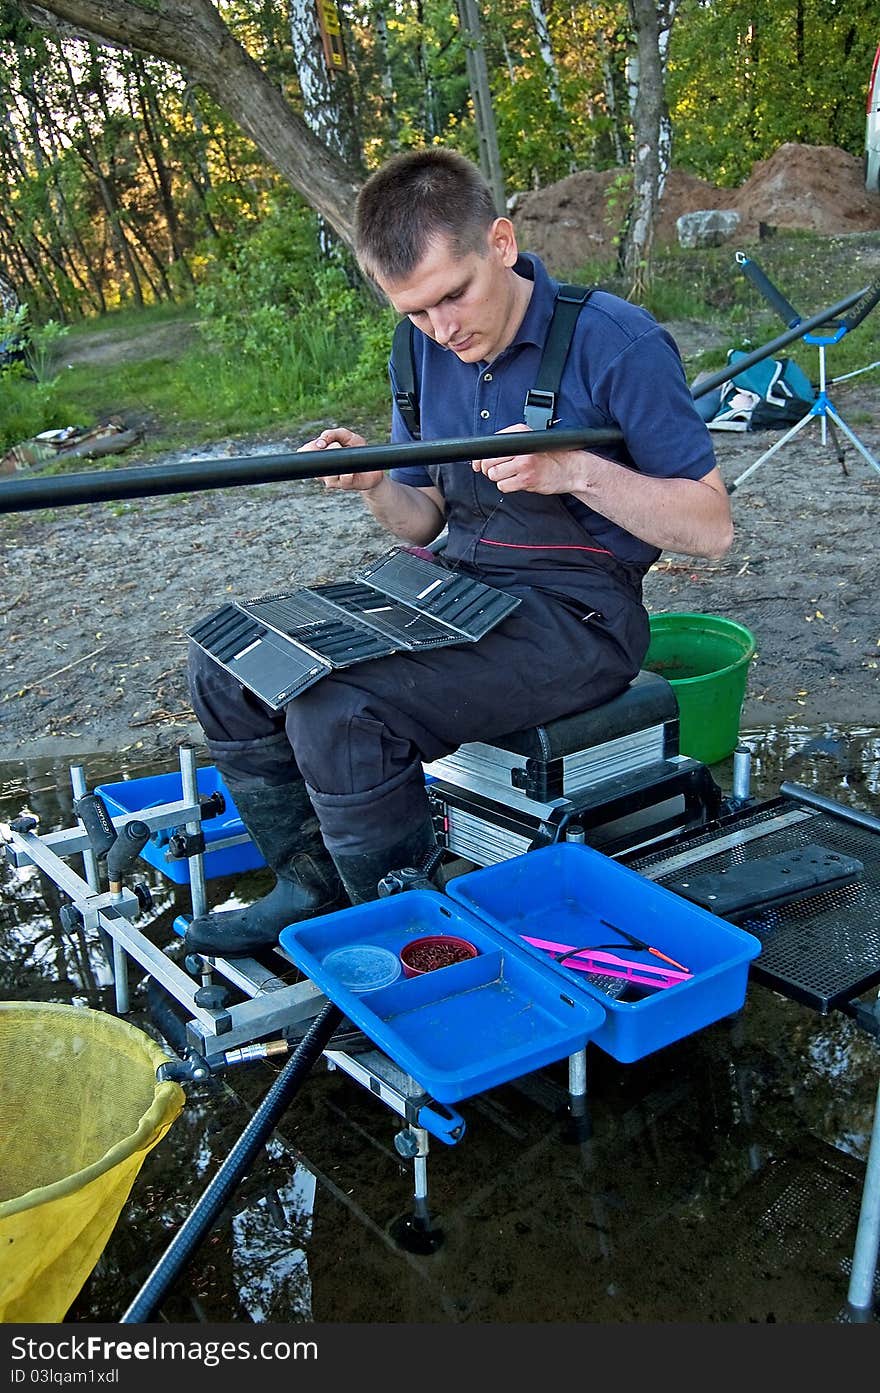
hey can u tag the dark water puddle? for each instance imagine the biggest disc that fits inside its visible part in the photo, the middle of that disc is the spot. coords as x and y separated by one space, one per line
717 1180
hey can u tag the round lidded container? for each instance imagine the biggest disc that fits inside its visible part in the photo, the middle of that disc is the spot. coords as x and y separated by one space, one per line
363 967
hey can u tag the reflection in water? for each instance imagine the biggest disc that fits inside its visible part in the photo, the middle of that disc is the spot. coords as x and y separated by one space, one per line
270 1269
717 1180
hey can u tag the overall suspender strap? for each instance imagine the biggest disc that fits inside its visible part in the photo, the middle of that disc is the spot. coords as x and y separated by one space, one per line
403 357
540 404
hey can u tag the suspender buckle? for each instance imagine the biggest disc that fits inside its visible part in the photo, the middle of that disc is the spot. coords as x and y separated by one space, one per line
539 409
407 405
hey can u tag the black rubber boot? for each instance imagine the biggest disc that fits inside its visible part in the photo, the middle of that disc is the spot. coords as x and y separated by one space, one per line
282 824
361 872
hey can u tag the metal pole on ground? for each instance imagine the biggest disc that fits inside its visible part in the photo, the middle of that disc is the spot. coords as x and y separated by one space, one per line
864 1263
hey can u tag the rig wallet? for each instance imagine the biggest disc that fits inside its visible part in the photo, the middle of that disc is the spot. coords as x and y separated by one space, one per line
278 645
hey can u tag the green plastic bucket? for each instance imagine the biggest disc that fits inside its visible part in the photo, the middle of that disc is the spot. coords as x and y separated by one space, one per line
706 659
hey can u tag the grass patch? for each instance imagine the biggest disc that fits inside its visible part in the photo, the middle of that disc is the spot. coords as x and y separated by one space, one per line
205 393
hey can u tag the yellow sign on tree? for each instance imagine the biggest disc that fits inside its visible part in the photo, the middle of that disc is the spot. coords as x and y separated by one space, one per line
331 33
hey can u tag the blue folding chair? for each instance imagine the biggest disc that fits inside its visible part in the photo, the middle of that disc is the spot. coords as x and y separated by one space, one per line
822 409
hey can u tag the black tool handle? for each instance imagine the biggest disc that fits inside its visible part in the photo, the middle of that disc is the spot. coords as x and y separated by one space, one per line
131 841
762 282
211 805
92 813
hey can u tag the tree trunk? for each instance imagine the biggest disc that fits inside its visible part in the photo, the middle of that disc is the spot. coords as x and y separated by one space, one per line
328 107
478 76
64 217
386 78
192 35
651 24
88 153
156 162
429 113
545 48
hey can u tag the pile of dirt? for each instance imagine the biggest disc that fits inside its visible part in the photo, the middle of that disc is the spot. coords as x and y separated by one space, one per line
817 188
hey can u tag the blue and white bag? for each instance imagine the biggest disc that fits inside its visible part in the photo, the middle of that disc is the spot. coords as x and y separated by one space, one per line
770 394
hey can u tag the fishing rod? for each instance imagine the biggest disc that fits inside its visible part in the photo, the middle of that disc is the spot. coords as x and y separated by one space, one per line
148 481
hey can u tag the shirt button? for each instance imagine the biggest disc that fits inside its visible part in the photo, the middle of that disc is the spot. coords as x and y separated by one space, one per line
487 377
484 415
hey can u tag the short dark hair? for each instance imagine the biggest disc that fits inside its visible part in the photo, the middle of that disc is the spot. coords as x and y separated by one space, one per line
416 196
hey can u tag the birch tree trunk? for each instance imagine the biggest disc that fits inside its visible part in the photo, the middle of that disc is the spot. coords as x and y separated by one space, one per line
328 108
545 48
651 24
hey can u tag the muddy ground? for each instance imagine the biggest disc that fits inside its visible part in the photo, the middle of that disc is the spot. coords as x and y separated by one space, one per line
95 599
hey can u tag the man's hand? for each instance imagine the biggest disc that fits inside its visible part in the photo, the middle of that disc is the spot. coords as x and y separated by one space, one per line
675 514
551 471
340 438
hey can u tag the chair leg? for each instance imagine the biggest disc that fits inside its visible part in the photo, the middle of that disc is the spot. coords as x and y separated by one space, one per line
789 435
835 442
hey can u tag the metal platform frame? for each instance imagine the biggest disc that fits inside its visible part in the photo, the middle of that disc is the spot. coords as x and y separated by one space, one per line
223 1036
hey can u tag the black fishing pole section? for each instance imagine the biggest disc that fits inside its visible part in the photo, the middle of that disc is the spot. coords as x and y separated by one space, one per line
198 1223
766 350
147 481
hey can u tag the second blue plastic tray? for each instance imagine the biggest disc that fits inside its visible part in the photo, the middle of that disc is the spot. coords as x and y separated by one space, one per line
136 795
577 897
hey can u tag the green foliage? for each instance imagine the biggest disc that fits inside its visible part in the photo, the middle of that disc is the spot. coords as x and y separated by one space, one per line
267 260
41 349
553 122
744 79
29 397
27 407
283 323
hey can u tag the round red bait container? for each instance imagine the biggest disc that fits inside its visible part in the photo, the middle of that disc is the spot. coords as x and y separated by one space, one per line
437 950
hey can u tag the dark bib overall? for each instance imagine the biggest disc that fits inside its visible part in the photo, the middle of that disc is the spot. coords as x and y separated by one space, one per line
360 735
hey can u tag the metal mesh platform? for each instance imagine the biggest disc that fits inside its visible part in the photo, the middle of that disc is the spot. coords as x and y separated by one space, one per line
822 950
802 1203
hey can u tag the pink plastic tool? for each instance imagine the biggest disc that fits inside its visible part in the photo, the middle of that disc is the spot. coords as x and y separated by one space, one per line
609 964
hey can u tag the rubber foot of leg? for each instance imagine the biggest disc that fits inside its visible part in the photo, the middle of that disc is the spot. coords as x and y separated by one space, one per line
415 1235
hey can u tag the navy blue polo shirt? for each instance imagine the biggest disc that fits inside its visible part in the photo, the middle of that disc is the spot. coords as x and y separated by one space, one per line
623 370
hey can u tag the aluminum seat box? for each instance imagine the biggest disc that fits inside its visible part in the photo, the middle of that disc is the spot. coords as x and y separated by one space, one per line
636 729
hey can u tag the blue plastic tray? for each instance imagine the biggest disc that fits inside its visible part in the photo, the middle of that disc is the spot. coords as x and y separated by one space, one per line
460 1029
564 893
136 795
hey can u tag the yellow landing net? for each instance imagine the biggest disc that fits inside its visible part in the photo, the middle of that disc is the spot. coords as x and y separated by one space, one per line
80 1108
